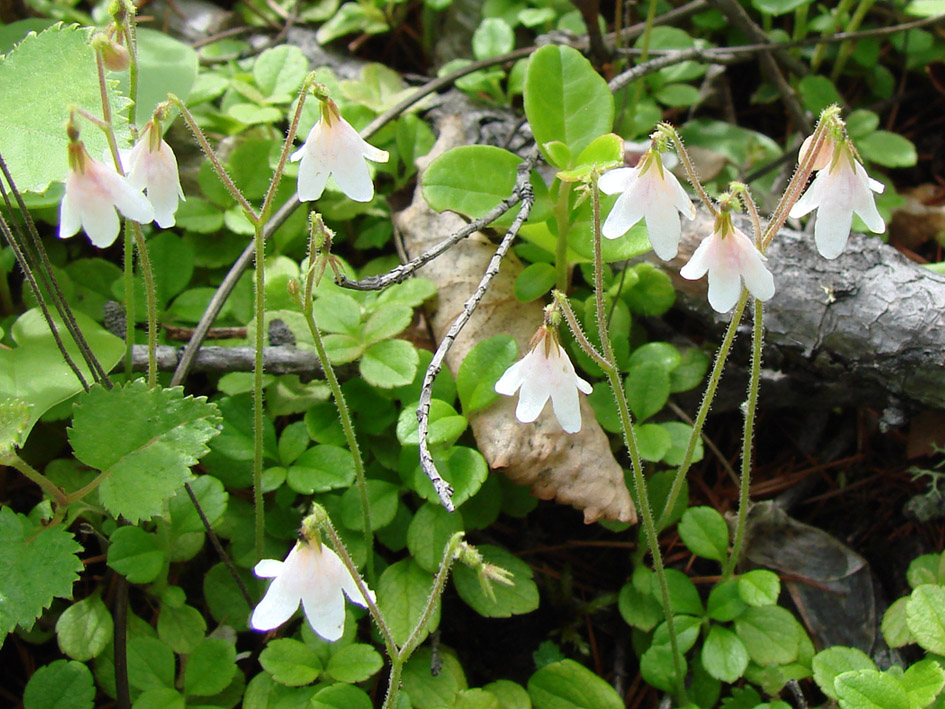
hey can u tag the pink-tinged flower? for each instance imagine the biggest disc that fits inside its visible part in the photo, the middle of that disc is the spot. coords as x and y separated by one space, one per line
153 167
729 257
650 192
93 192
840 189
546 371
313 575
333 147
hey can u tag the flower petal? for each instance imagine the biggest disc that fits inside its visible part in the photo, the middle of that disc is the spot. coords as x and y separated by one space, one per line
268 568
511 380
725 287
313 174
70 221
832 229
276 607
618 180
626 212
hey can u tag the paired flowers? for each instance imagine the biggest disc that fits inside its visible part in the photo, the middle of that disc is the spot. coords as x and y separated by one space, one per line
94 190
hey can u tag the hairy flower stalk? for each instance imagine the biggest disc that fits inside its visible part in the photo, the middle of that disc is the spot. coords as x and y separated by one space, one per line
333 147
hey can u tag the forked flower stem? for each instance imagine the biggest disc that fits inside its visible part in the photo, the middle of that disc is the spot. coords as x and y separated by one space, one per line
757 340
214 160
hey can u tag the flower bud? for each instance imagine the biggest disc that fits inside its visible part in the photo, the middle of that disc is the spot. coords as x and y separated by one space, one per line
114 56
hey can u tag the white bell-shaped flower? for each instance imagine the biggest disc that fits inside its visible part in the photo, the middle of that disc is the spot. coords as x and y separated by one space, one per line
729 257
152 166
651 192
333 147
93 192
313 575
545 372
840 189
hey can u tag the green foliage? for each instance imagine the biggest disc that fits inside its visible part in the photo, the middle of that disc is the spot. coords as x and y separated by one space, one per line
34 371
566 101
43 75
164 433
485 363
567 683
36 565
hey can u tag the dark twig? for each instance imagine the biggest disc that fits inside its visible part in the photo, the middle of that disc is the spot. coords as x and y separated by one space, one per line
523 188
215 541
404 271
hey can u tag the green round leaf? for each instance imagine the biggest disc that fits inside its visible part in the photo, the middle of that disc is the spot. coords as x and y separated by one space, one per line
463 468
895 627
657 668
888 149
723 654
428 691
566 99
492 38
165 65
568 684
402 593
534 282
383 498
135 554
182 628
639 609
290 662
769 633
355 663
85 629
471 180
430 530
389 364
485 363
705 533
321 468
150 664
279 71
210 667
925 615
834 661
647 388
759 587
725 603
870 689
63 684
340 696
653 441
